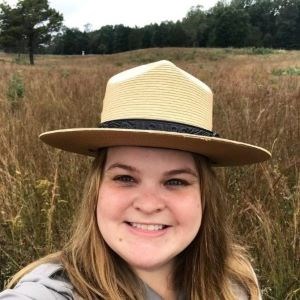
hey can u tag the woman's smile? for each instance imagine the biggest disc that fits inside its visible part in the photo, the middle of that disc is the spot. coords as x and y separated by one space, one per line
149 229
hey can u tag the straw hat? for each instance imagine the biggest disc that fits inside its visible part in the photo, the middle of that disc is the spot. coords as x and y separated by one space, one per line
157 105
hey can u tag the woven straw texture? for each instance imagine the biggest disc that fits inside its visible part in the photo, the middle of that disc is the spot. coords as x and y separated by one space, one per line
161 91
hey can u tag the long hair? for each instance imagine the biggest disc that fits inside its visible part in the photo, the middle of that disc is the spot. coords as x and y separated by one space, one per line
211 267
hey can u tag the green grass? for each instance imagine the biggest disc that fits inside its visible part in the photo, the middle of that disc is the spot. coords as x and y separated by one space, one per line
291 71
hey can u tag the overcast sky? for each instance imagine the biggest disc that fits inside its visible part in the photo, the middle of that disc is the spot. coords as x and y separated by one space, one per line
132 13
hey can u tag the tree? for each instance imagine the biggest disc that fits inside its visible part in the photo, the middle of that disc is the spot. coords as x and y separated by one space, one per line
195 25
120 38
229 27
10 24
157 38
288 25
29 25
177 35
147 36
263 15
71 41
101 41
135 39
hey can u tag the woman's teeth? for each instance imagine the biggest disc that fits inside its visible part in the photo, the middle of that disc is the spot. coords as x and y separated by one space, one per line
148 227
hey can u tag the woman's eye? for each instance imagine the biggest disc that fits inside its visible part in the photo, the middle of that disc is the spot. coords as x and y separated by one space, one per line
176 182
124 178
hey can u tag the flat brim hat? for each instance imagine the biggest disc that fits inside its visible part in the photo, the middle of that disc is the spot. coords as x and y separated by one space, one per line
157 105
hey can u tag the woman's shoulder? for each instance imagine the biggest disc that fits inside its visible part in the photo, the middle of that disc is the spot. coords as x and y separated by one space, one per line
239 291
46 281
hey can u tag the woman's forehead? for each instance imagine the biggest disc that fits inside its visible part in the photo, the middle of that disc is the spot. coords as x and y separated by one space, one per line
150 156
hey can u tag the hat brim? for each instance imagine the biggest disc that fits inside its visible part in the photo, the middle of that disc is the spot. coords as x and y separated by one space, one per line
221 152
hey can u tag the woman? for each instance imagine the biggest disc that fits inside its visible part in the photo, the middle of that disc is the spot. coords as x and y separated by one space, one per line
151 224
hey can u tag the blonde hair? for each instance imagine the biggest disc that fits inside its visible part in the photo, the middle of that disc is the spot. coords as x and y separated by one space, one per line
208 268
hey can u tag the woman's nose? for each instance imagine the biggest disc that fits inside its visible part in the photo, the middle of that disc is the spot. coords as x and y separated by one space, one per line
149 201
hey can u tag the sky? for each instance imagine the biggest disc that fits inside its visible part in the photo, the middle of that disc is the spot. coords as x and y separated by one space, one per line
132 13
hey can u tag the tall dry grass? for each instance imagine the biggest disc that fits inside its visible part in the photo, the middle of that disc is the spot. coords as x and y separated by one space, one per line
40 187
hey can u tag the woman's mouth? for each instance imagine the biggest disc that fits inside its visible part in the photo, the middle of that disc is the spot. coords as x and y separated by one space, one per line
147 227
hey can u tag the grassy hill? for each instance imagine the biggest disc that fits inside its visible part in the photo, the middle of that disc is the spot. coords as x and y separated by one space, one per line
257 100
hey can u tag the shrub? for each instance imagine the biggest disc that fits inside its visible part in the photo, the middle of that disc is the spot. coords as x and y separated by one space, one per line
261 51
291 71
15 91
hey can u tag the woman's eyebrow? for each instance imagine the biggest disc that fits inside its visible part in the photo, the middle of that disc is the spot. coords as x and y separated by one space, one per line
122 166
168 173
182 171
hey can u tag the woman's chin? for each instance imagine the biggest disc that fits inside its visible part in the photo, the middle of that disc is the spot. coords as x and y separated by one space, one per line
146 263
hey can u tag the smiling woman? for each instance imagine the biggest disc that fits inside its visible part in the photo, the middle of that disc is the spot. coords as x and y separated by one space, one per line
152 222
149 199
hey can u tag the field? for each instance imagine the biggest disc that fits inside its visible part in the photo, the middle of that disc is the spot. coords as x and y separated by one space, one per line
257 100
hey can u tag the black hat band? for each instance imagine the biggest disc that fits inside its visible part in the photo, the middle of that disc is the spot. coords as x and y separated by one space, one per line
145 124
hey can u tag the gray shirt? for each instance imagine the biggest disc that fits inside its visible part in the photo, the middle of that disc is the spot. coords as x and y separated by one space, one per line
46 282
42 283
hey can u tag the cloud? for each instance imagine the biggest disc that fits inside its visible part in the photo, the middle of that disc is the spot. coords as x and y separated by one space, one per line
128 12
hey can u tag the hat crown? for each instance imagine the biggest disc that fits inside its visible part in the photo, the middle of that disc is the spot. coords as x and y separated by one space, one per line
158 91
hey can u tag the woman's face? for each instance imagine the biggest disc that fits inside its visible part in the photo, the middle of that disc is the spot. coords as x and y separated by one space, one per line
149 205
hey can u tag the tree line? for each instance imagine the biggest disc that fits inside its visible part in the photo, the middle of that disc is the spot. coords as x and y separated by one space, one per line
238 23
241 23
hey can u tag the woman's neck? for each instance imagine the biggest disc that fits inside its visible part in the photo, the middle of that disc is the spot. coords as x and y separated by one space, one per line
159 280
